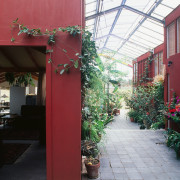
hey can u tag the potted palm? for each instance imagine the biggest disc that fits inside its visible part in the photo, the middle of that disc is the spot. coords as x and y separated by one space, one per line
92 164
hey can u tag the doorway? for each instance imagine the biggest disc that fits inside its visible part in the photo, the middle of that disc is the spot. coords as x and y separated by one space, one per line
23 112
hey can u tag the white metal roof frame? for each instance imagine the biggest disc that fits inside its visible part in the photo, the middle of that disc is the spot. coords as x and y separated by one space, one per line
128 28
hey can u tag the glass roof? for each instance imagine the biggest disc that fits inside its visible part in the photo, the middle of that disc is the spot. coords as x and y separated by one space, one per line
127 28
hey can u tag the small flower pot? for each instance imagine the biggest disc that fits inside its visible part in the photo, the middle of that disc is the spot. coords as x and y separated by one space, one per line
132 119
92 170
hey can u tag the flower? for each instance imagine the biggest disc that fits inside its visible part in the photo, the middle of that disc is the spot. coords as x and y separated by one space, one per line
173 114
177 107
172 110
147 113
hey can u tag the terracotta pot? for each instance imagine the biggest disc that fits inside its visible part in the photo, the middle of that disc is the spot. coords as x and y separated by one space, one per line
92 170
132 119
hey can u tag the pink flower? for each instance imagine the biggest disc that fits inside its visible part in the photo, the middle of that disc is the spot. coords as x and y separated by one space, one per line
173 114
168 116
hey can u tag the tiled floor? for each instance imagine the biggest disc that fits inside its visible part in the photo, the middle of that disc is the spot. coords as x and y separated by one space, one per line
30 166
130 153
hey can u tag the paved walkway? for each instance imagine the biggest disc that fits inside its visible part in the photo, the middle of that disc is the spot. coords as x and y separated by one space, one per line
131 153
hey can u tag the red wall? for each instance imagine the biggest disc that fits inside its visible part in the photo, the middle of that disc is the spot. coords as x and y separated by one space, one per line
141 62
174 69
63 92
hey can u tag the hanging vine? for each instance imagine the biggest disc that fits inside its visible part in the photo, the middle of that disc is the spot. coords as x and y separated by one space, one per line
145 75
85 60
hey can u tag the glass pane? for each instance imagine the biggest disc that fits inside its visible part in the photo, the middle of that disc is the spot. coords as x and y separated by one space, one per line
178 35
155 64
170 40
161 65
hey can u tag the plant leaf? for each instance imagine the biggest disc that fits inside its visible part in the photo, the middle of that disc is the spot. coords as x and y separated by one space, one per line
50 60
62 71
12 39
15 21
60 65
76 64
64 50
66 65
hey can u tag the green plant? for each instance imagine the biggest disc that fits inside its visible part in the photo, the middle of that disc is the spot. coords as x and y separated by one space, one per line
158 125
89 148
10 78
22 79
173 109
148 103
173 141
133 114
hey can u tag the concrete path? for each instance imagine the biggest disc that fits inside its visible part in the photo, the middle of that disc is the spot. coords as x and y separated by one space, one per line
130 153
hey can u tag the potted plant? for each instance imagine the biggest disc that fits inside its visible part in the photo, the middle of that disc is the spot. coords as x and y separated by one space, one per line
92 167
132 115
92 164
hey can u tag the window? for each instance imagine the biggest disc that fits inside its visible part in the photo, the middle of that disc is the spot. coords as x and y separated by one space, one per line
170 40
168 87
136 71
178 35
155 64
161 66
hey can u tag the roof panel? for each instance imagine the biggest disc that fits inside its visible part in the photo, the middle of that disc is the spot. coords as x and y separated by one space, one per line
109 4
142 5
136 33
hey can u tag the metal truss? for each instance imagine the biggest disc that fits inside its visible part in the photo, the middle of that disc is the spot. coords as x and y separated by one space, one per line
115 21
128 8
140 23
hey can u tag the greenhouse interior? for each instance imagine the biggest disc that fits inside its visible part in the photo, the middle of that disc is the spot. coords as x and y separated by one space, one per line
89 89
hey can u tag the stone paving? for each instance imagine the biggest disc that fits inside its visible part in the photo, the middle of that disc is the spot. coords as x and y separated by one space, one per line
130 153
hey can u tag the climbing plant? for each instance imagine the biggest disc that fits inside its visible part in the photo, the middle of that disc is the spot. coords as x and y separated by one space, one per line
86 57
145 75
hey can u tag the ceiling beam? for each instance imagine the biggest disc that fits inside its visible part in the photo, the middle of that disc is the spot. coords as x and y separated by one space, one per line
21 69
140 23
143 47
115 21
32 57
115 52
144 14
147 15
113 35
96 21
12 61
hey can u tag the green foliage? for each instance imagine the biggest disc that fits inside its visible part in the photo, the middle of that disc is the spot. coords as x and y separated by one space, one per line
173 141
145 75
173 109
148 103
133 114
10 78
23 79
